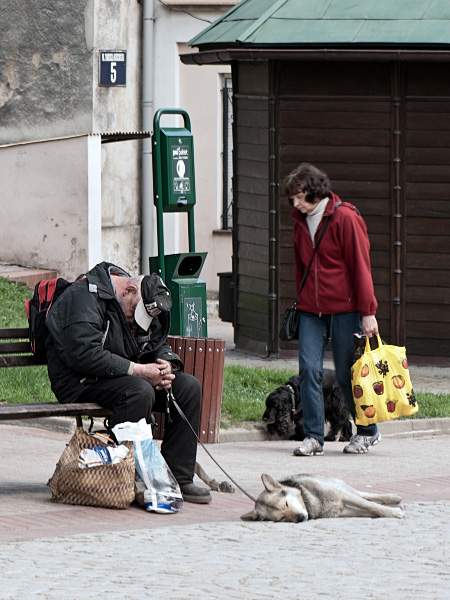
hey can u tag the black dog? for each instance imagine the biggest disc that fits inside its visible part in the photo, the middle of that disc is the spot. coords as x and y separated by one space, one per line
284 409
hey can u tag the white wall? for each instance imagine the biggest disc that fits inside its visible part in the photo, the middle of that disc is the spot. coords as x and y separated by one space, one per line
49 189
117 26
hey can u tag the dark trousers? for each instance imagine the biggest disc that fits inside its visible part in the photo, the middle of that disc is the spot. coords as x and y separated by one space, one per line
314 333
132 399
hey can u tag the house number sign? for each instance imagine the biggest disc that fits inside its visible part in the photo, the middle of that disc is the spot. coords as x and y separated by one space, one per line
112 67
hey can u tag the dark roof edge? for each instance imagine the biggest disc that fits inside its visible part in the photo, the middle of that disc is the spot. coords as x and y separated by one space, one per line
118 136
121 136
227 55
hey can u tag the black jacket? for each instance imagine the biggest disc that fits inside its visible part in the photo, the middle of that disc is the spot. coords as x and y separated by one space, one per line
90 338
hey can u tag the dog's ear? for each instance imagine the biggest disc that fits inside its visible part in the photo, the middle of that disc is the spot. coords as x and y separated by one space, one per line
251 516
269 482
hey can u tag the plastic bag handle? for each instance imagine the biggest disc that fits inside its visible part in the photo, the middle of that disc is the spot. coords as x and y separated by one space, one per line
368 348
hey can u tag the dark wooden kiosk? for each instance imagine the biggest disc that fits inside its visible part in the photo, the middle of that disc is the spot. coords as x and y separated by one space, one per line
362 90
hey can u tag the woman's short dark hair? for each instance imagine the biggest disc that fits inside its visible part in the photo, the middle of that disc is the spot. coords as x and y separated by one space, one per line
309 179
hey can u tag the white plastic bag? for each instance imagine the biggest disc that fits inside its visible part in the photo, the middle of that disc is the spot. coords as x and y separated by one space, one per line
156 488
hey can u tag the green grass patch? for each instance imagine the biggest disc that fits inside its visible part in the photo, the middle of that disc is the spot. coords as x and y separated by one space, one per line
245 390
431 406
20 386
12 301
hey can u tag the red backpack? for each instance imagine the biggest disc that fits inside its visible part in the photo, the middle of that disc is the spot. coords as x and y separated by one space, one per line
45 294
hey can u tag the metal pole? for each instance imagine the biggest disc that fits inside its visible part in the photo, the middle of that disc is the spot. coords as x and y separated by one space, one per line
191 230
147 210
157 193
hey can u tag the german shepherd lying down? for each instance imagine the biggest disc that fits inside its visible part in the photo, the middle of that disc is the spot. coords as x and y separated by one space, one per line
303 497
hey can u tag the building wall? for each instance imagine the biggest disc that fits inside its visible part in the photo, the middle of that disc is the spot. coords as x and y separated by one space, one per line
48 189
49 67
116 25
380 131
49 75
251 210
339 118
46 68
425 116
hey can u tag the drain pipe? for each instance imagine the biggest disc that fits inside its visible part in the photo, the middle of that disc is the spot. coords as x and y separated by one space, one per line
147 210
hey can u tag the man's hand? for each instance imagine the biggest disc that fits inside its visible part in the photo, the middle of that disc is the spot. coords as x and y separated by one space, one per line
159 374
369 325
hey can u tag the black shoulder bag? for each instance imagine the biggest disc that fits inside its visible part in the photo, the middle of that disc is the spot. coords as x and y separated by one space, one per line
291 317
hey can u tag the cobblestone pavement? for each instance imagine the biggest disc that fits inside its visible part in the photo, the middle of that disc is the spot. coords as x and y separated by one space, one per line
338 558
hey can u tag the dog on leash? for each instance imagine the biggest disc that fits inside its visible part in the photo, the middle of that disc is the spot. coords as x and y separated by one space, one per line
304 497
284 409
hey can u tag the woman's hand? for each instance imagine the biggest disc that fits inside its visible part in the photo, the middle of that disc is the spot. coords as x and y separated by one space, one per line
369 325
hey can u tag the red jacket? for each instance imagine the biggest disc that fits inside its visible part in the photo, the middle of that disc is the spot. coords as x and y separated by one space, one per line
340 280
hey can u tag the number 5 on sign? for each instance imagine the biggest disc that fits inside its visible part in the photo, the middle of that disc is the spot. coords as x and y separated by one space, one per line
113 72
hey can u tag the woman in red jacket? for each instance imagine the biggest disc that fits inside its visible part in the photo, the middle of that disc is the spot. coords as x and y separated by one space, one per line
337 299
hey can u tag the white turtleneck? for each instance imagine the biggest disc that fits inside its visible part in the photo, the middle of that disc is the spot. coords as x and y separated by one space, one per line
315 216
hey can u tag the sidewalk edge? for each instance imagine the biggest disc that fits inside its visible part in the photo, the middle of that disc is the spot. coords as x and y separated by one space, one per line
406 428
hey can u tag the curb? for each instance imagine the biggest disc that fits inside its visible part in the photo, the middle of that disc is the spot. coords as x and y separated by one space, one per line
55 424
403 428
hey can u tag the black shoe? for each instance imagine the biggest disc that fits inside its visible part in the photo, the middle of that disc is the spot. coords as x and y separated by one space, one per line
194 493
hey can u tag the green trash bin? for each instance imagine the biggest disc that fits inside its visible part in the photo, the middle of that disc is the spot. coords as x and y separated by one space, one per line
189 309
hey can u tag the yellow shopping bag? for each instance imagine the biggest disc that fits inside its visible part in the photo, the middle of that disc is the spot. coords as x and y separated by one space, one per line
381 384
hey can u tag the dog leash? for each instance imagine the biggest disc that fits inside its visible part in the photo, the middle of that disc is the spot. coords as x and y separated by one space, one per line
170 398
292 396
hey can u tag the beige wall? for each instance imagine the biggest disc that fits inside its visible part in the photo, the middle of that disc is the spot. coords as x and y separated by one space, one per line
121 204
73 203
49 189
117 26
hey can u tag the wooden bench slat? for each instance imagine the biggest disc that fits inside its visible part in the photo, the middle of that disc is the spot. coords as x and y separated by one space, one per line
15 333
199 365
216 392
51 409
28 360
14 347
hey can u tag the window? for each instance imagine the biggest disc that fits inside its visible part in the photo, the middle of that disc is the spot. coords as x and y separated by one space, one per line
227 153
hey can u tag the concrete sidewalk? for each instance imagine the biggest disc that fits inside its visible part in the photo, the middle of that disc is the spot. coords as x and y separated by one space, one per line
416 468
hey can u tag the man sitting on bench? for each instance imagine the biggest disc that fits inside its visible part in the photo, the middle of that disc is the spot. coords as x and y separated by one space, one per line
107 344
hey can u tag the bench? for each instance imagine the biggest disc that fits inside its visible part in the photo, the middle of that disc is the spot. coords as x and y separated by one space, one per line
202 357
